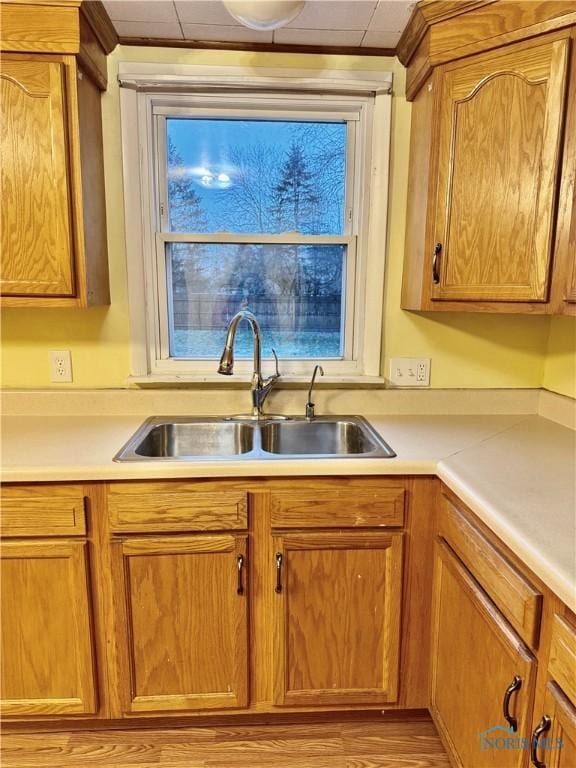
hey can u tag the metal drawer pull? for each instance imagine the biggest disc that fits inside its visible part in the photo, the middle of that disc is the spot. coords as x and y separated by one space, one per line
515 685
240 567
542 727
435 263
279 559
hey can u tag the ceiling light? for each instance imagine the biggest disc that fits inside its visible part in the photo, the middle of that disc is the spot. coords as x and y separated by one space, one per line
264 14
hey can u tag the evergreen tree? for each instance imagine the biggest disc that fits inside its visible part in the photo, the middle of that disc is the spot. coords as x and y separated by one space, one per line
295 197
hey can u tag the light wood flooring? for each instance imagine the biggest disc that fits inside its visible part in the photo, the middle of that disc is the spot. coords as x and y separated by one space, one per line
329 745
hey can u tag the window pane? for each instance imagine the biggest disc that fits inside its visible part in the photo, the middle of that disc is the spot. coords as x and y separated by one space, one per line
295 291
267 176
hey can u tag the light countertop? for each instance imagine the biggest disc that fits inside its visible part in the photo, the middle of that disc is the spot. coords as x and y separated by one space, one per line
517 472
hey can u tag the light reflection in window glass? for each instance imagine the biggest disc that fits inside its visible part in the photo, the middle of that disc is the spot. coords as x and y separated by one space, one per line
295 291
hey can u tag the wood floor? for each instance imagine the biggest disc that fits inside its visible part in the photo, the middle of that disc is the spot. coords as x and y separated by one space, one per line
333 745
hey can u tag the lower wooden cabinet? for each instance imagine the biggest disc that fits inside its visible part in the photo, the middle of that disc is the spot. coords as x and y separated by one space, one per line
47 652
554 739
554 736
271 594
481 671
337 618
183 622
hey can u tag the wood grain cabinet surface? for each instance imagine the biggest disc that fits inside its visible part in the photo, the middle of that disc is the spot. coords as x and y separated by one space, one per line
556 746
53 241
47 662
514 595
254 607
492 163
37 247
498 142
554 734
476 656
337 618
183 621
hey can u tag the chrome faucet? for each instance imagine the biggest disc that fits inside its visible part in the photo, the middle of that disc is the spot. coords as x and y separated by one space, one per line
260 388
310 404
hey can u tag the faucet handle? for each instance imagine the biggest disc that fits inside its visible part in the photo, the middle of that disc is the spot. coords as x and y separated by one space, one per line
276 359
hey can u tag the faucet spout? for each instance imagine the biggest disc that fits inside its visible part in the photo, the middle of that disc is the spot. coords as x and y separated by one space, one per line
310 405
260 389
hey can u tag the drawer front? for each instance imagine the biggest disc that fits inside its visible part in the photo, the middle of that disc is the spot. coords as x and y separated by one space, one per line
165 507
368 507
518 600
562 659
39 512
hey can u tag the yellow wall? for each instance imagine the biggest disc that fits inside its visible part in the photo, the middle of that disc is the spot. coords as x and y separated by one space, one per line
560 364
466 350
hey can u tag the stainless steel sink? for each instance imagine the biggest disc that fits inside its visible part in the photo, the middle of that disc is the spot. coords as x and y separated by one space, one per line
174 440
213 439
344 437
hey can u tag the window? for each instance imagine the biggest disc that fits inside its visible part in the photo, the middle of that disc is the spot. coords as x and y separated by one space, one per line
251 199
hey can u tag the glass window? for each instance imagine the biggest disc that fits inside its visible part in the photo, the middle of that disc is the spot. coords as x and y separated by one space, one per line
255 188
267 176
295 291
282 180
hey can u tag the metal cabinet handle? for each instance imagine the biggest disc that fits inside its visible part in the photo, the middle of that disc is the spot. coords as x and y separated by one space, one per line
436 264
542 727
279 559
240 568
515 685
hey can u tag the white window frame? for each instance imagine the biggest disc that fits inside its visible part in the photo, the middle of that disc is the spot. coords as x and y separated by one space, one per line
148 95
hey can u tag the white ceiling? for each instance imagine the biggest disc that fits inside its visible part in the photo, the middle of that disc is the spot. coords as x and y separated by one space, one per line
355 23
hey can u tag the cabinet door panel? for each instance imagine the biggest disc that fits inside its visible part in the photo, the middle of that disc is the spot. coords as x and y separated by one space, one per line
475 657
47 665
187 625
36 242
559 748
499 139
337 618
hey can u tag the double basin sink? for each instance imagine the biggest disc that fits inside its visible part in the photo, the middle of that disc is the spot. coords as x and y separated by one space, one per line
212 439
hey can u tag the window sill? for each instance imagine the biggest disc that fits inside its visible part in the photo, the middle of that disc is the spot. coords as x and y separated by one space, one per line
241 381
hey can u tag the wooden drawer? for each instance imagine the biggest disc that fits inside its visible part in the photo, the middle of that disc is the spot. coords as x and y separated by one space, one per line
41 511
518 600
167 507
562 659
367 506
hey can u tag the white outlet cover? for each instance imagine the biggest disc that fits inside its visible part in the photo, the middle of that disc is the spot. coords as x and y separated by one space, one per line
61 366
410 371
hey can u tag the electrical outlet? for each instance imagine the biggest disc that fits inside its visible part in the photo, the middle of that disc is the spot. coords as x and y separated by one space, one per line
61 367
410 371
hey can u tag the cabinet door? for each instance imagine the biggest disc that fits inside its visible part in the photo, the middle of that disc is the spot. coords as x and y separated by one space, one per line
36 241
337 618
556 747
475 657
186 623
47 664
499 138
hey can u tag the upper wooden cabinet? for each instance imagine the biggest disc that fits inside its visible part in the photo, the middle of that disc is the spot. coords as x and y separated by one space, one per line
498 144
54 250
36 233
490 223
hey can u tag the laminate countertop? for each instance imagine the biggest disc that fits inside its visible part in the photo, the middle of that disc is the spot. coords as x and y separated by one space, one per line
517 473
